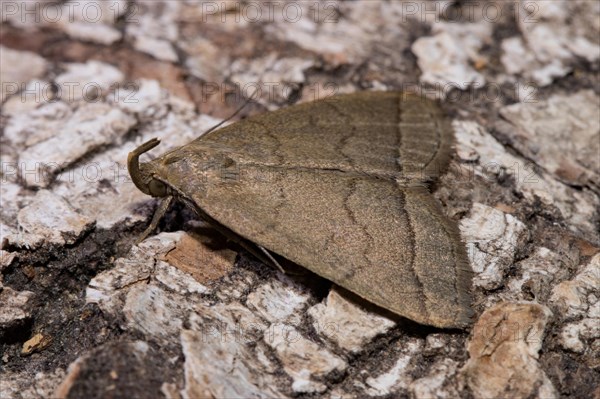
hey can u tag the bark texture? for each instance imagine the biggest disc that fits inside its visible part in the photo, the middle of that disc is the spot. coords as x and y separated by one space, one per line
186 314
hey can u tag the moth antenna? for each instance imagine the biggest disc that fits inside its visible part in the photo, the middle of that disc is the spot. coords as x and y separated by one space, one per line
133 163
271 258
232 115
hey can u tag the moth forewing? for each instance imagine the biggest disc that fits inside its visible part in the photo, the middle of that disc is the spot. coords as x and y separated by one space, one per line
346 196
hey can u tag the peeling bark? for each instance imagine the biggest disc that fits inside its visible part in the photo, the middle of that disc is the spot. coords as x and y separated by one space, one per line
185 314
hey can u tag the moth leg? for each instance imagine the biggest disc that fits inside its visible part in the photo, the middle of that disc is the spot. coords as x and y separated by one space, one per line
158 214
271 258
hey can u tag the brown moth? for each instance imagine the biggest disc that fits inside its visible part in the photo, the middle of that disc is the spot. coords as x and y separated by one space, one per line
338 186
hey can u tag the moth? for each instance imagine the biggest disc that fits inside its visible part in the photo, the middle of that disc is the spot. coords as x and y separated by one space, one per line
340 186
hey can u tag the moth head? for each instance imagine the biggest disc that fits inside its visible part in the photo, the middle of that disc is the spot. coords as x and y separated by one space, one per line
156 187
144 176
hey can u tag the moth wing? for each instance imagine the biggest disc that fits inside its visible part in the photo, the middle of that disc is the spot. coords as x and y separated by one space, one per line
384 133
389 244
335 186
